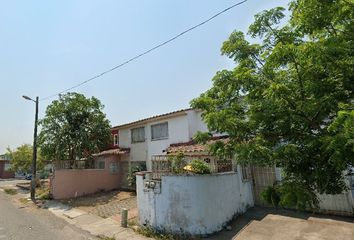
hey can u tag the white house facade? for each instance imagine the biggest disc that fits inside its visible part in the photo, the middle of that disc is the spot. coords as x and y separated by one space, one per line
152 136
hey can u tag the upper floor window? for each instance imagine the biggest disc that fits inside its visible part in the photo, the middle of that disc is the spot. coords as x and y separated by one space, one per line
115 140
159 131
138 134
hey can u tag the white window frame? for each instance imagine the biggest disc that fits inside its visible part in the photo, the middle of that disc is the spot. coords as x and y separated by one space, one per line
159 138
115 139
139 140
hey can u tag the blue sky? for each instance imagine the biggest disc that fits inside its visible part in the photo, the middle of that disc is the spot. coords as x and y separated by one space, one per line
48 46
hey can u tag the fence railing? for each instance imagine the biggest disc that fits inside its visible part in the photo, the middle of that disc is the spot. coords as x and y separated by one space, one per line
161 165
74 164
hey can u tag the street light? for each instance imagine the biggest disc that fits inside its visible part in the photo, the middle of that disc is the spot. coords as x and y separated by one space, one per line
34 160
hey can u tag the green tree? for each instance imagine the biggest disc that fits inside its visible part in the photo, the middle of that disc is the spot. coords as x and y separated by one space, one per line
21 158
281 104
74 127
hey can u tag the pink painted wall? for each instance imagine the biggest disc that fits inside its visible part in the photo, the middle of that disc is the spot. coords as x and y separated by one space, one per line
70 183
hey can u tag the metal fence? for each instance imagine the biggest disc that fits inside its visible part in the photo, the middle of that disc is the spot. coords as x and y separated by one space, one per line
74 164
162 165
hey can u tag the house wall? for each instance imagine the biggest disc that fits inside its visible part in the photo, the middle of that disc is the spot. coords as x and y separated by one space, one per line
138 151
181 128
3 173
196 123
177 132
197 205
70 183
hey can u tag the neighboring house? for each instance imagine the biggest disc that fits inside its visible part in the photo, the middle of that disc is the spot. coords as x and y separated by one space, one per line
5 167
133 146
152 136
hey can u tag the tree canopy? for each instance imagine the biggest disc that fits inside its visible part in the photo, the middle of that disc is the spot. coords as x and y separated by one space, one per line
74 127
21 158
289 100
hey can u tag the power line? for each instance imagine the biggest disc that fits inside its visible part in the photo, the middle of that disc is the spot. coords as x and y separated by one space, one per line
146 52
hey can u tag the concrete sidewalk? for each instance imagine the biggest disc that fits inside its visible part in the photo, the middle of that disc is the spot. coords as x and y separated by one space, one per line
92 223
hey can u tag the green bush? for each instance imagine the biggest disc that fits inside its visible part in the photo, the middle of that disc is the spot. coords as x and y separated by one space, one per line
177 163
131 178
295 195
271 195
290 194
199 167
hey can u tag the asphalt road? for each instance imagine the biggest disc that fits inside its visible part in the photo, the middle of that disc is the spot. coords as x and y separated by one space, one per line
19 223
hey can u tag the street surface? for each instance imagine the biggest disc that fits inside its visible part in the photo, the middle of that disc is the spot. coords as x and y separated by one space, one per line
19 223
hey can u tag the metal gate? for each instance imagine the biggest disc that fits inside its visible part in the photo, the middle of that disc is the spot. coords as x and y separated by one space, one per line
262 177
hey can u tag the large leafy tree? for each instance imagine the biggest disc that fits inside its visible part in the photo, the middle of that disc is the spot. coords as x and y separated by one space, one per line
21 158
289 99
74 127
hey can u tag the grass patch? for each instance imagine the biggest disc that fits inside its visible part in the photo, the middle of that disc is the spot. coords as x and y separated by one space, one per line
132 222
42 193
160 235
106 238
151 233
24 200
10 191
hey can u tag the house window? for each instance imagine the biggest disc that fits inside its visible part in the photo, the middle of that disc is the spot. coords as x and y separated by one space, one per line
159 131
115 140
138 134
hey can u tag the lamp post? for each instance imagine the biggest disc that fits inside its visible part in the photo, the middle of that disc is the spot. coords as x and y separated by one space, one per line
34 160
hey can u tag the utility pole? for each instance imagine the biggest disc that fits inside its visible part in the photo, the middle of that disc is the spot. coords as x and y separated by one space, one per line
34 160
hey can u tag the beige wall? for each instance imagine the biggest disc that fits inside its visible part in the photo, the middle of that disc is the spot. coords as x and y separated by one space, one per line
69 183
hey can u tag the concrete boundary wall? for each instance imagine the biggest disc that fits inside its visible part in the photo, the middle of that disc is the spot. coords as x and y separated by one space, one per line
195 204
70 183
338 204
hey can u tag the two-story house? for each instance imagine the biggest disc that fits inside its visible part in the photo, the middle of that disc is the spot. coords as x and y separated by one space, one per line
153 135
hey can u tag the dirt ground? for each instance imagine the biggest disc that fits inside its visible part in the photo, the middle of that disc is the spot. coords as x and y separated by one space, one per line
268 224
105 204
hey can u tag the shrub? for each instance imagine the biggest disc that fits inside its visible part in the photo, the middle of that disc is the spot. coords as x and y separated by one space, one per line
177 163
271 196
199 167
291 195
131 178
296 195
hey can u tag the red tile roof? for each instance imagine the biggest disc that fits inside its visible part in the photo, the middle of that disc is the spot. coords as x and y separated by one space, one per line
153 117
116 151
193 147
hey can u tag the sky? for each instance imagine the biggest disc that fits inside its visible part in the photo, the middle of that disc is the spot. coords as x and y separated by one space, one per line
49 46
